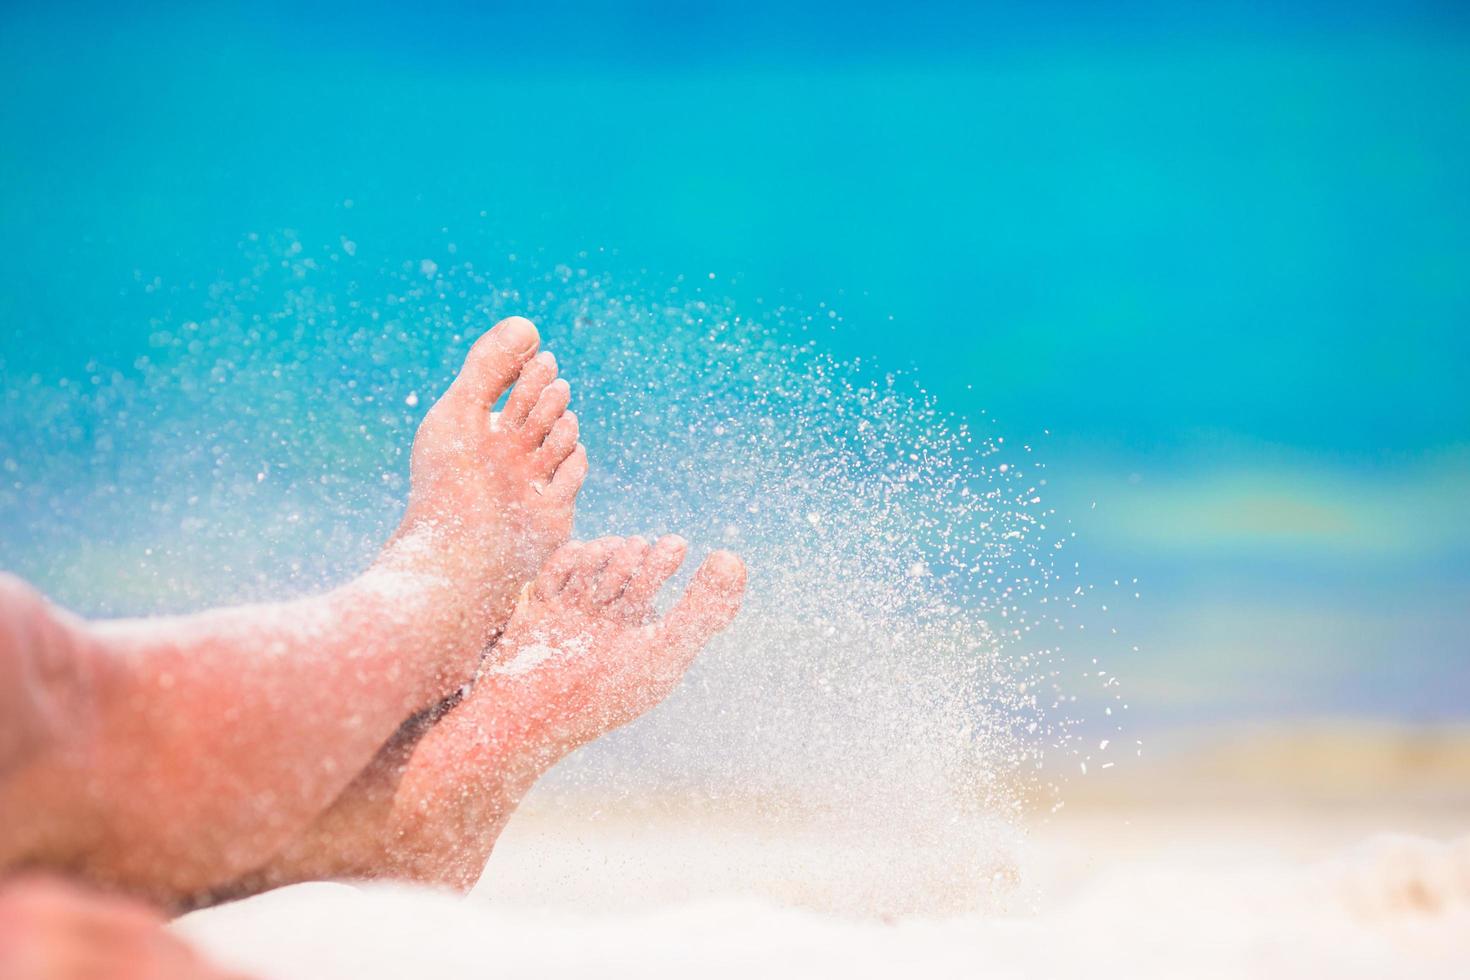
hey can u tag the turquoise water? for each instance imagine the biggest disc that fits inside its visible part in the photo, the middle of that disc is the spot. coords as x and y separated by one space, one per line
1216 266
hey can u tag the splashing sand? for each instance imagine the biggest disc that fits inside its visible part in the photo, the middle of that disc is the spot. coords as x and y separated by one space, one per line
861 743
888 678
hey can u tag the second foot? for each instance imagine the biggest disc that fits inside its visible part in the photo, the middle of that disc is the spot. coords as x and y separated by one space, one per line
584 653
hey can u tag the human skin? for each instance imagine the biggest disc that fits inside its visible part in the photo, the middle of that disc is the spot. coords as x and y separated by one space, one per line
51 929
168 756
584 653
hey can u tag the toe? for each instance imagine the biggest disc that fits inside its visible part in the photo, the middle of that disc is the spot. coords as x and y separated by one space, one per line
621 565
589 567
558 568
494 362
536 375
552 402
662 560
709 605
569 476
559 444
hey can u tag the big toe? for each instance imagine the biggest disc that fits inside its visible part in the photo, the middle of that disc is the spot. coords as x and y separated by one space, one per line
495 361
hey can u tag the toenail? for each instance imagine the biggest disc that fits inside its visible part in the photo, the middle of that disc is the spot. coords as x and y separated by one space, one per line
517 333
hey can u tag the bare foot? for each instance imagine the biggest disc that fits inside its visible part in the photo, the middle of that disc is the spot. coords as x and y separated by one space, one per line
491 496
584 653
171 755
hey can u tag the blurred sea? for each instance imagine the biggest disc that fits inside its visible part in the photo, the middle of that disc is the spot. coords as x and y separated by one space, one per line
1214 265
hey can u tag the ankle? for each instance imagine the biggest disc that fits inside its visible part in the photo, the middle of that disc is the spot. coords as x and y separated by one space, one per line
410 601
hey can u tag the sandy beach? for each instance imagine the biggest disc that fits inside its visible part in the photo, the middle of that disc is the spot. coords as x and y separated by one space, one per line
1329 850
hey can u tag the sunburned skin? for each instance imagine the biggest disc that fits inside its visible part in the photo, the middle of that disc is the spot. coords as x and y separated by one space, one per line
584 653
169 756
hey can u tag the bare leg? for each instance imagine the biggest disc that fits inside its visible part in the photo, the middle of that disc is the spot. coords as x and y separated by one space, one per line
198 745
582 655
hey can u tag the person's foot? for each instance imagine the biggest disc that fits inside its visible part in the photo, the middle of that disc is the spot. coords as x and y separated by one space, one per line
187 750
584 653
491 495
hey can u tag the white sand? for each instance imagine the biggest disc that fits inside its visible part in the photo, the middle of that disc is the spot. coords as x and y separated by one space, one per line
1160 891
